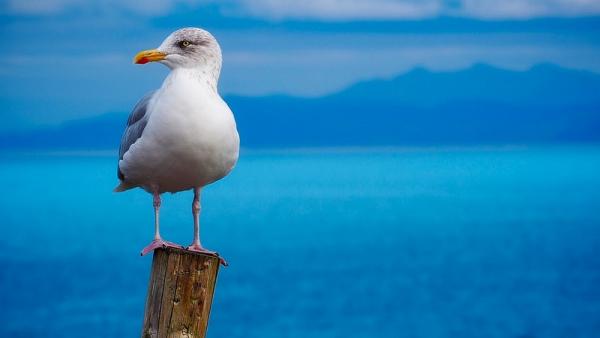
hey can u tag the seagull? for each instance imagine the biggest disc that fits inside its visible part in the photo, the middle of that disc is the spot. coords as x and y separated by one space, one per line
182 136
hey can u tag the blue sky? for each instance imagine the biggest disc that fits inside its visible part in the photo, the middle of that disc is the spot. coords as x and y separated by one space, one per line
68 59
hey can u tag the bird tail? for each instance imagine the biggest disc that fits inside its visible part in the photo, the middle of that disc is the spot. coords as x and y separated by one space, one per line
123 186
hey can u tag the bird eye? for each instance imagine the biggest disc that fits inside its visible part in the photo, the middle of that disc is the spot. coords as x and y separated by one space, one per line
184 44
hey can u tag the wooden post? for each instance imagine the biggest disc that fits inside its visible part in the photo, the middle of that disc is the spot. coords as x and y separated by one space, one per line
182 284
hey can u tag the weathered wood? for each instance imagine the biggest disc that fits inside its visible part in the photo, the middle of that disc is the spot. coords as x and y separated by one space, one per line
182 284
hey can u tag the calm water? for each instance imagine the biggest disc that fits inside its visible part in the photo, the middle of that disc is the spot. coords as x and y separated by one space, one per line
454 243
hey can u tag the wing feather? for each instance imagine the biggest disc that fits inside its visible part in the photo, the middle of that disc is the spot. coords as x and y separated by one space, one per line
136 123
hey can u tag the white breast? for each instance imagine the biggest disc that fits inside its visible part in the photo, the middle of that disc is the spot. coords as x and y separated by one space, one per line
190 139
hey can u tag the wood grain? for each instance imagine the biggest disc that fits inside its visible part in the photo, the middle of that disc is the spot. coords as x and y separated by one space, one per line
180 293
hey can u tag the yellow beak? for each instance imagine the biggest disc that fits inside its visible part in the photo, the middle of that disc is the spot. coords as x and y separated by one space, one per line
150 55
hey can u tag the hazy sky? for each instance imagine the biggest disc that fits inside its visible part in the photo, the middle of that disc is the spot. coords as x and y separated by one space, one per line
67 59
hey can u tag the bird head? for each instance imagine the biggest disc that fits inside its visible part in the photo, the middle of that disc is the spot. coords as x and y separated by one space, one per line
184 48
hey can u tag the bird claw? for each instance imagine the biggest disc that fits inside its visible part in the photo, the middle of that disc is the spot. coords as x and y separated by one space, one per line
156 244
200 249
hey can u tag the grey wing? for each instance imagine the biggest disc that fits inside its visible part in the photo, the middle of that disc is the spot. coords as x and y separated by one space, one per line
135 127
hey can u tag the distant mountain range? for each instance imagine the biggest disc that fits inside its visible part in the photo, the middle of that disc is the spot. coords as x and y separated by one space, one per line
478 105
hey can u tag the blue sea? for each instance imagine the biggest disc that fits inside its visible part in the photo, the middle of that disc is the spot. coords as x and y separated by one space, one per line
451 242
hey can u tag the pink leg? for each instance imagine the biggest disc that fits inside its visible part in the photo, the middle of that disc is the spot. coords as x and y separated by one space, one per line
158 242
196 245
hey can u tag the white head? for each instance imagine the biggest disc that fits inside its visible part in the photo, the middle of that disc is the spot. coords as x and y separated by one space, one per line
192 48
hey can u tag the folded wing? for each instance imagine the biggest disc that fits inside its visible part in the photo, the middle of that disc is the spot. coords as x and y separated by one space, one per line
136 123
